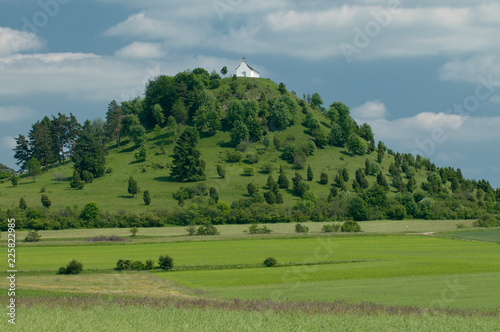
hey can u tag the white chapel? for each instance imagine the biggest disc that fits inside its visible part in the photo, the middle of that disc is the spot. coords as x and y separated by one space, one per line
244 70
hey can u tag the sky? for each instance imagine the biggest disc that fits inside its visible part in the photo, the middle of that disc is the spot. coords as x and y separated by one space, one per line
424 74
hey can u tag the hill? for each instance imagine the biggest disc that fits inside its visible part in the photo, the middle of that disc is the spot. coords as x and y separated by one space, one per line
252 129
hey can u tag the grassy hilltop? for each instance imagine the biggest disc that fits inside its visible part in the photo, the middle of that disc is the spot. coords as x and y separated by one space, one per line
446 195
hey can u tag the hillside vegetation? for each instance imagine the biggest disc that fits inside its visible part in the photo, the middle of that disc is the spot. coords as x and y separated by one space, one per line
199 149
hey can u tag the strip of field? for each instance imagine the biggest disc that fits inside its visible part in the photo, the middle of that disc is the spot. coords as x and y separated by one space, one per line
486 235
85 315
378 226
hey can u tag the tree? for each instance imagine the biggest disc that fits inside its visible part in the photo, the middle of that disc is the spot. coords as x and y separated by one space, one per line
77 182
282 88
133 188
22 204
138 134
134 231
142 154
380 152
32 236
22 152
166 262
252 189
316 100
310 174
158 114
34 168
14 180
239 133
381 181
323 178
356 145
221 171
46 201
87 177
214 194
41 144
90 211
89 153
146 197
283 182
114 118
187 165
223 71
358 209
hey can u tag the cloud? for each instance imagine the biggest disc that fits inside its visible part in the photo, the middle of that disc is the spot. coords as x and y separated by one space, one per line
138 50
370 110
7 143
471 69
15 41
14 114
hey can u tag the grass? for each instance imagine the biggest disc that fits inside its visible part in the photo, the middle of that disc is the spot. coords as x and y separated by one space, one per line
485 235
85 315
379 226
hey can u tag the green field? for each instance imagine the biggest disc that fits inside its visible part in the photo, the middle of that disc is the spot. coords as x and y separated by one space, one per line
489 235
376 281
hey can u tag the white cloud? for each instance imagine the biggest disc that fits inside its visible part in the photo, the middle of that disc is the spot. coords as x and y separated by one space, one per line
7 143
138 50
471 69
15 113
15 41
370 110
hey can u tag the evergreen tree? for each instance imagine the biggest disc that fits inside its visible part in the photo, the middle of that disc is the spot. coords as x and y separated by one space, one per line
270 197
146 197
133 188
380 152
283 182
239 133
214 194
345 174
252 189
188 167
77 182
41 146
279 198
14 180
381 181
361 179
89 153
46 201
22 204
114 118
22 152
310 174
323 178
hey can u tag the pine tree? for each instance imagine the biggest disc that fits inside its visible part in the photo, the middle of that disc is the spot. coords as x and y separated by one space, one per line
77 182
22 204
188 167
283 180
279 198
221 171
22 152
381 181
133 188
252 189
310 174
46 201
323 178
214 194
147 197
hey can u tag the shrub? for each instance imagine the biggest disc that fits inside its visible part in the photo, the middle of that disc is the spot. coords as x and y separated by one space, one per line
351 226
146 197
460 226
46 201
138 265
234 157
32 236
221 171
255 229
267 168
248 171
90 211
87 176
301 229
207 230
397 212
191 229
150 264
134 231
252 158
73 267
166 262
487 221
123 264
334 228
22 204
323 178
270 261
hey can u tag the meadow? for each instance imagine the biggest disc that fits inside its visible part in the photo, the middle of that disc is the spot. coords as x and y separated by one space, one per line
401 280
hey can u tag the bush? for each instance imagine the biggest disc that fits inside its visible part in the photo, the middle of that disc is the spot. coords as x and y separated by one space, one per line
166 262
73 267
87 176
46 201
146 197
191 229
334 228
134 231
323 178
267 168
150 264
460 226
123 264
32 236
248 171
234 157
270 261
255 229
207 230
252 158
301 229
487 221
351 227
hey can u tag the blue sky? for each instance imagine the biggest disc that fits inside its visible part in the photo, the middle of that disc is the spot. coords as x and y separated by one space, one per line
424 74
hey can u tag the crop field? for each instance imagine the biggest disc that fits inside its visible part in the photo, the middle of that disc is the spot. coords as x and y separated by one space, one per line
446 280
